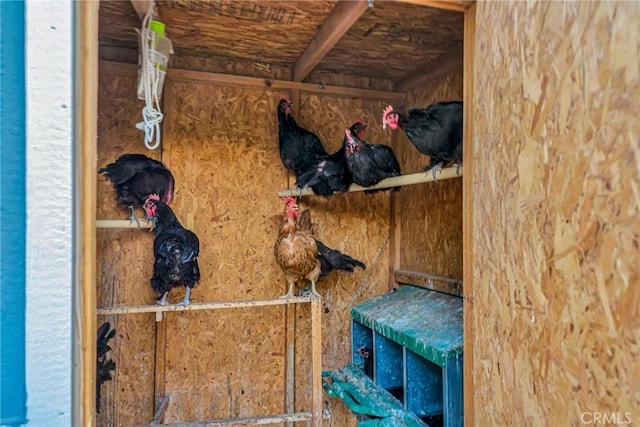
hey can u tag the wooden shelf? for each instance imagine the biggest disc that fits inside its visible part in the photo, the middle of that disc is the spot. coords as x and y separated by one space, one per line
433 282
259 420
316 414
201 306
402 180
121 223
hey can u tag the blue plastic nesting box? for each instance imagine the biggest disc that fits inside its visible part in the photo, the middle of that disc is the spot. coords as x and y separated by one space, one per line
409 344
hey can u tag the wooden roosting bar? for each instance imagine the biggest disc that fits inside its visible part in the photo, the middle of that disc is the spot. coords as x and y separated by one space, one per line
315 416
396 181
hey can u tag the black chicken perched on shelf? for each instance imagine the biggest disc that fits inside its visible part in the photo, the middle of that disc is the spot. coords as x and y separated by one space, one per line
135 177
176 251
104 366
368 163
300 149
332 174
435 131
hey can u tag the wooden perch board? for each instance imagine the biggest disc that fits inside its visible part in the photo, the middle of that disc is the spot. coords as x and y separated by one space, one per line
121 223
201 306
429 281
402 180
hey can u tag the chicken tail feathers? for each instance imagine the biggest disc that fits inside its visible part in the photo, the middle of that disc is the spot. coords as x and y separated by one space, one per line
332 259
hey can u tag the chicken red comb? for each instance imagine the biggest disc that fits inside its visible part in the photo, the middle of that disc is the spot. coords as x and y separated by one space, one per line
288 200
153 196
388 109
348 135
284 98
361 122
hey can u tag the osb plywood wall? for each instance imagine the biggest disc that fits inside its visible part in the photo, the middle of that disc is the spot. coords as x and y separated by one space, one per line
221 145
124 261
355 223
431 226
556 291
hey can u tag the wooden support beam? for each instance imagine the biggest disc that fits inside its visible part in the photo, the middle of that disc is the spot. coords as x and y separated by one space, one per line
447 63
395 248
260 420
455 5
402 180
341 18
447 285
162 408
290 360
468 232
141 7
121 223
118 54
202 306
85 146
316 361
180 75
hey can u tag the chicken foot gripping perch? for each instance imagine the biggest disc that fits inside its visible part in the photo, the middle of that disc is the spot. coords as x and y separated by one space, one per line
296 251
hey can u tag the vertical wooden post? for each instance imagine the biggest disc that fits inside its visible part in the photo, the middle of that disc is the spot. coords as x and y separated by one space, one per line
290 313
161 326
85 185
467 208
316 361
395 226
160 363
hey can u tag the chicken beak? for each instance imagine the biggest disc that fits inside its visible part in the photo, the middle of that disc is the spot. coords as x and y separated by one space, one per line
384 125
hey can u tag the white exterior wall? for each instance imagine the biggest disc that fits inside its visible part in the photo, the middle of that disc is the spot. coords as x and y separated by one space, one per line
49 211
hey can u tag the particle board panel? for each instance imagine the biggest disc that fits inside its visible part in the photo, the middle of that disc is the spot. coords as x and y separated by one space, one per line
431 226
555 188
124 261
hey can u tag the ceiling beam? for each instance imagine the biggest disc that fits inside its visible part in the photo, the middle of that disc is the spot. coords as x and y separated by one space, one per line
455 5
141 7
338 22
447 63
190 76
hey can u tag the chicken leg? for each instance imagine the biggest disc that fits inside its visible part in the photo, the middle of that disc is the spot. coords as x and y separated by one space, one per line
132 216
290 293
163 300
310 291
185 302
433 168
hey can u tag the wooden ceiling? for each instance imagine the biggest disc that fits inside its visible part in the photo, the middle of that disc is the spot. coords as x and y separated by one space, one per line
398 41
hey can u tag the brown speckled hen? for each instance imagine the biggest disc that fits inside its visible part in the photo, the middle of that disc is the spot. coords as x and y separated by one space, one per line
296 250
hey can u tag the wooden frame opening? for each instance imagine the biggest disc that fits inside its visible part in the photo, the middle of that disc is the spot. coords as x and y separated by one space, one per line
87 64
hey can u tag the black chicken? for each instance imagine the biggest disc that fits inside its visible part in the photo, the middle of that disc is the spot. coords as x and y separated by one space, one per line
369 163
135 177
104 366
176 251
332 174
435 131
300 149
367 360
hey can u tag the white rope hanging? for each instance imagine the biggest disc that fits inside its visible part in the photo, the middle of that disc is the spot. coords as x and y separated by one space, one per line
150 79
